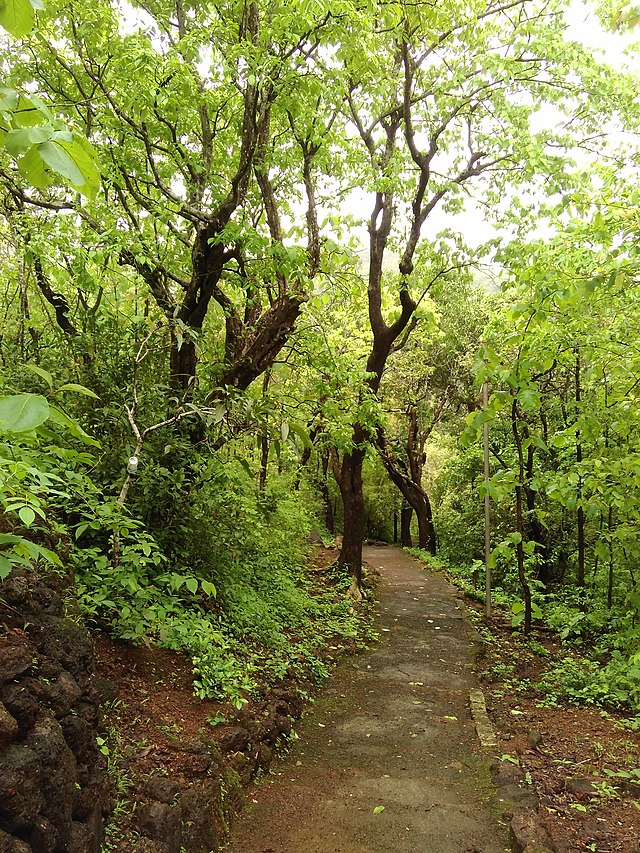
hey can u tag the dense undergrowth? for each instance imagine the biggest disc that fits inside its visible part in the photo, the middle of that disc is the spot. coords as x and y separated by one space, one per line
600 662
217 570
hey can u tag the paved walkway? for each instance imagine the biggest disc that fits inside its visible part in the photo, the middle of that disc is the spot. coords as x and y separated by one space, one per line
392 728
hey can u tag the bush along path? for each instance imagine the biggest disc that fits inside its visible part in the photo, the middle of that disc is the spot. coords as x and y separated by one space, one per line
388 759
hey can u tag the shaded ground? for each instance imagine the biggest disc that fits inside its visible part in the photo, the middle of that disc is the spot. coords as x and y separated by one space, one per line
570 754
156 728
392 729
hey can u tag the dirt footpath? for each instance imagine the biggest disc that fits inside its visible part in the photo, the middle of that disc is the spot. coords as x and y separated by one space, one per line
391 729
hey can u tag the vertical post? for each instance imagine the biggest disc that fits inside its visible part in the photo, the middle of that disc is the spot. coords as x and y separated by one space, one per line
487 508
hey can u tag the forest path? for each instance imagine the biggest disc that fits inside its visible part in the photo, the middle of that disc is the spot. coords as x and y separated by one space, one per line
391 728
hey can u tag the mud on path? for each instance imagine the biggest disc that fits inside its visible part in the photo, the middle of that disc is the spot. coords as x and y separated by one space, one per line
392 728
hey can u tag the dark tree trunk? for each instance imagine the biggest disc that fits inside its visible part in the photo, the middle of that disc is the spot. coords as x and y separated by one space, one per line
329 518
264 437
406 514
533 526
348 474
426 530
581 515
183 364
522 577
409 483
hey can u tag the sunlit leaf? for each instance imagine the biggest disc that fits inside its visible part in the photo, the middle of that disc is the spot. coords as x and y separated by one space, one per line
17 17
23 412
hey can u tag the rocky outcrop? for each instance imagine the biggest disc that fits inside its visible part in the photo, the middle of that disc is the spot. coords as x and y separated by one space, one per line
54 790
195 819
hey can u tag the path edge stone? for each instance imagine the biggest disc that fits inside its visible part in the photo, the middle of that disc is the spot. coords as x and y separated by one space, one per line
484 728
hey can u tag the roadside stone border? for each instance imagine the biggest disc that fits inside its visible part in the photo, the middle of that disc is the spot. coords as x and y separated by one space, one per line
485 731
527 831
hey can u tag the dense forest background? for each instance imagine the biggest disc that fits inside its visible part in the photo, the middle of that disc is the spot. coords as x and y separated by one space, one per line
242 305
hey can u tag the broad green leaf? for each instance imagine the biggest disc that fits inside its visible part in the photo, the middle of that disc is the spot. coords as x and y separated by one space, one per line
58 416
18 141
9 539
49 555
529 399
246 466
378 809
17 17
63 136
192 585
8 99
27 516
32 168
208 588
79 389
81 153
30 112
58 159
302 434
23 412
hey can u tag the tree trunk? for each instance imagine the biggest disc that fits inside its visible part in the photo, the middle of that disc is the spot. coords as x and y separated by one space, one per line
349 478
581 516
522 577
406 514
426 530
329 516
183 364
264 436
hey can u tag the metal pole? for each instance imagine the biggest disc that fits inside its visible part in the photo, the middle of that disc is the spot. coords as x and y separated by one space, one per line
487 509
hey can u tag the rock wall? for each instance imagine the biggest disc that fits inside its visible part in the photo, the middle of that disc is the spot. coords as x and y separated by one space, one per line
54 789
55 793
195 819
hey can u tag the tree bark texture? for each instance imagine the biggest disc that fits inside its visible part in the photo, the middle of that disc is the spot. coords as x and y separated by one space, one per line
348 474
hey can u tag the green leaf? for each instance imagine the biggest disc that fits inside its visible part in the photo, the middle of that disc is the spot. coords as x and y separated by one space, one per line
246 466
61 418
59 160
529 399
41 372
27 516
84 157
79 389
23 412
8 99
208 588
5 567
378 809
32 168
18 141
17 17
302 434
192 585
